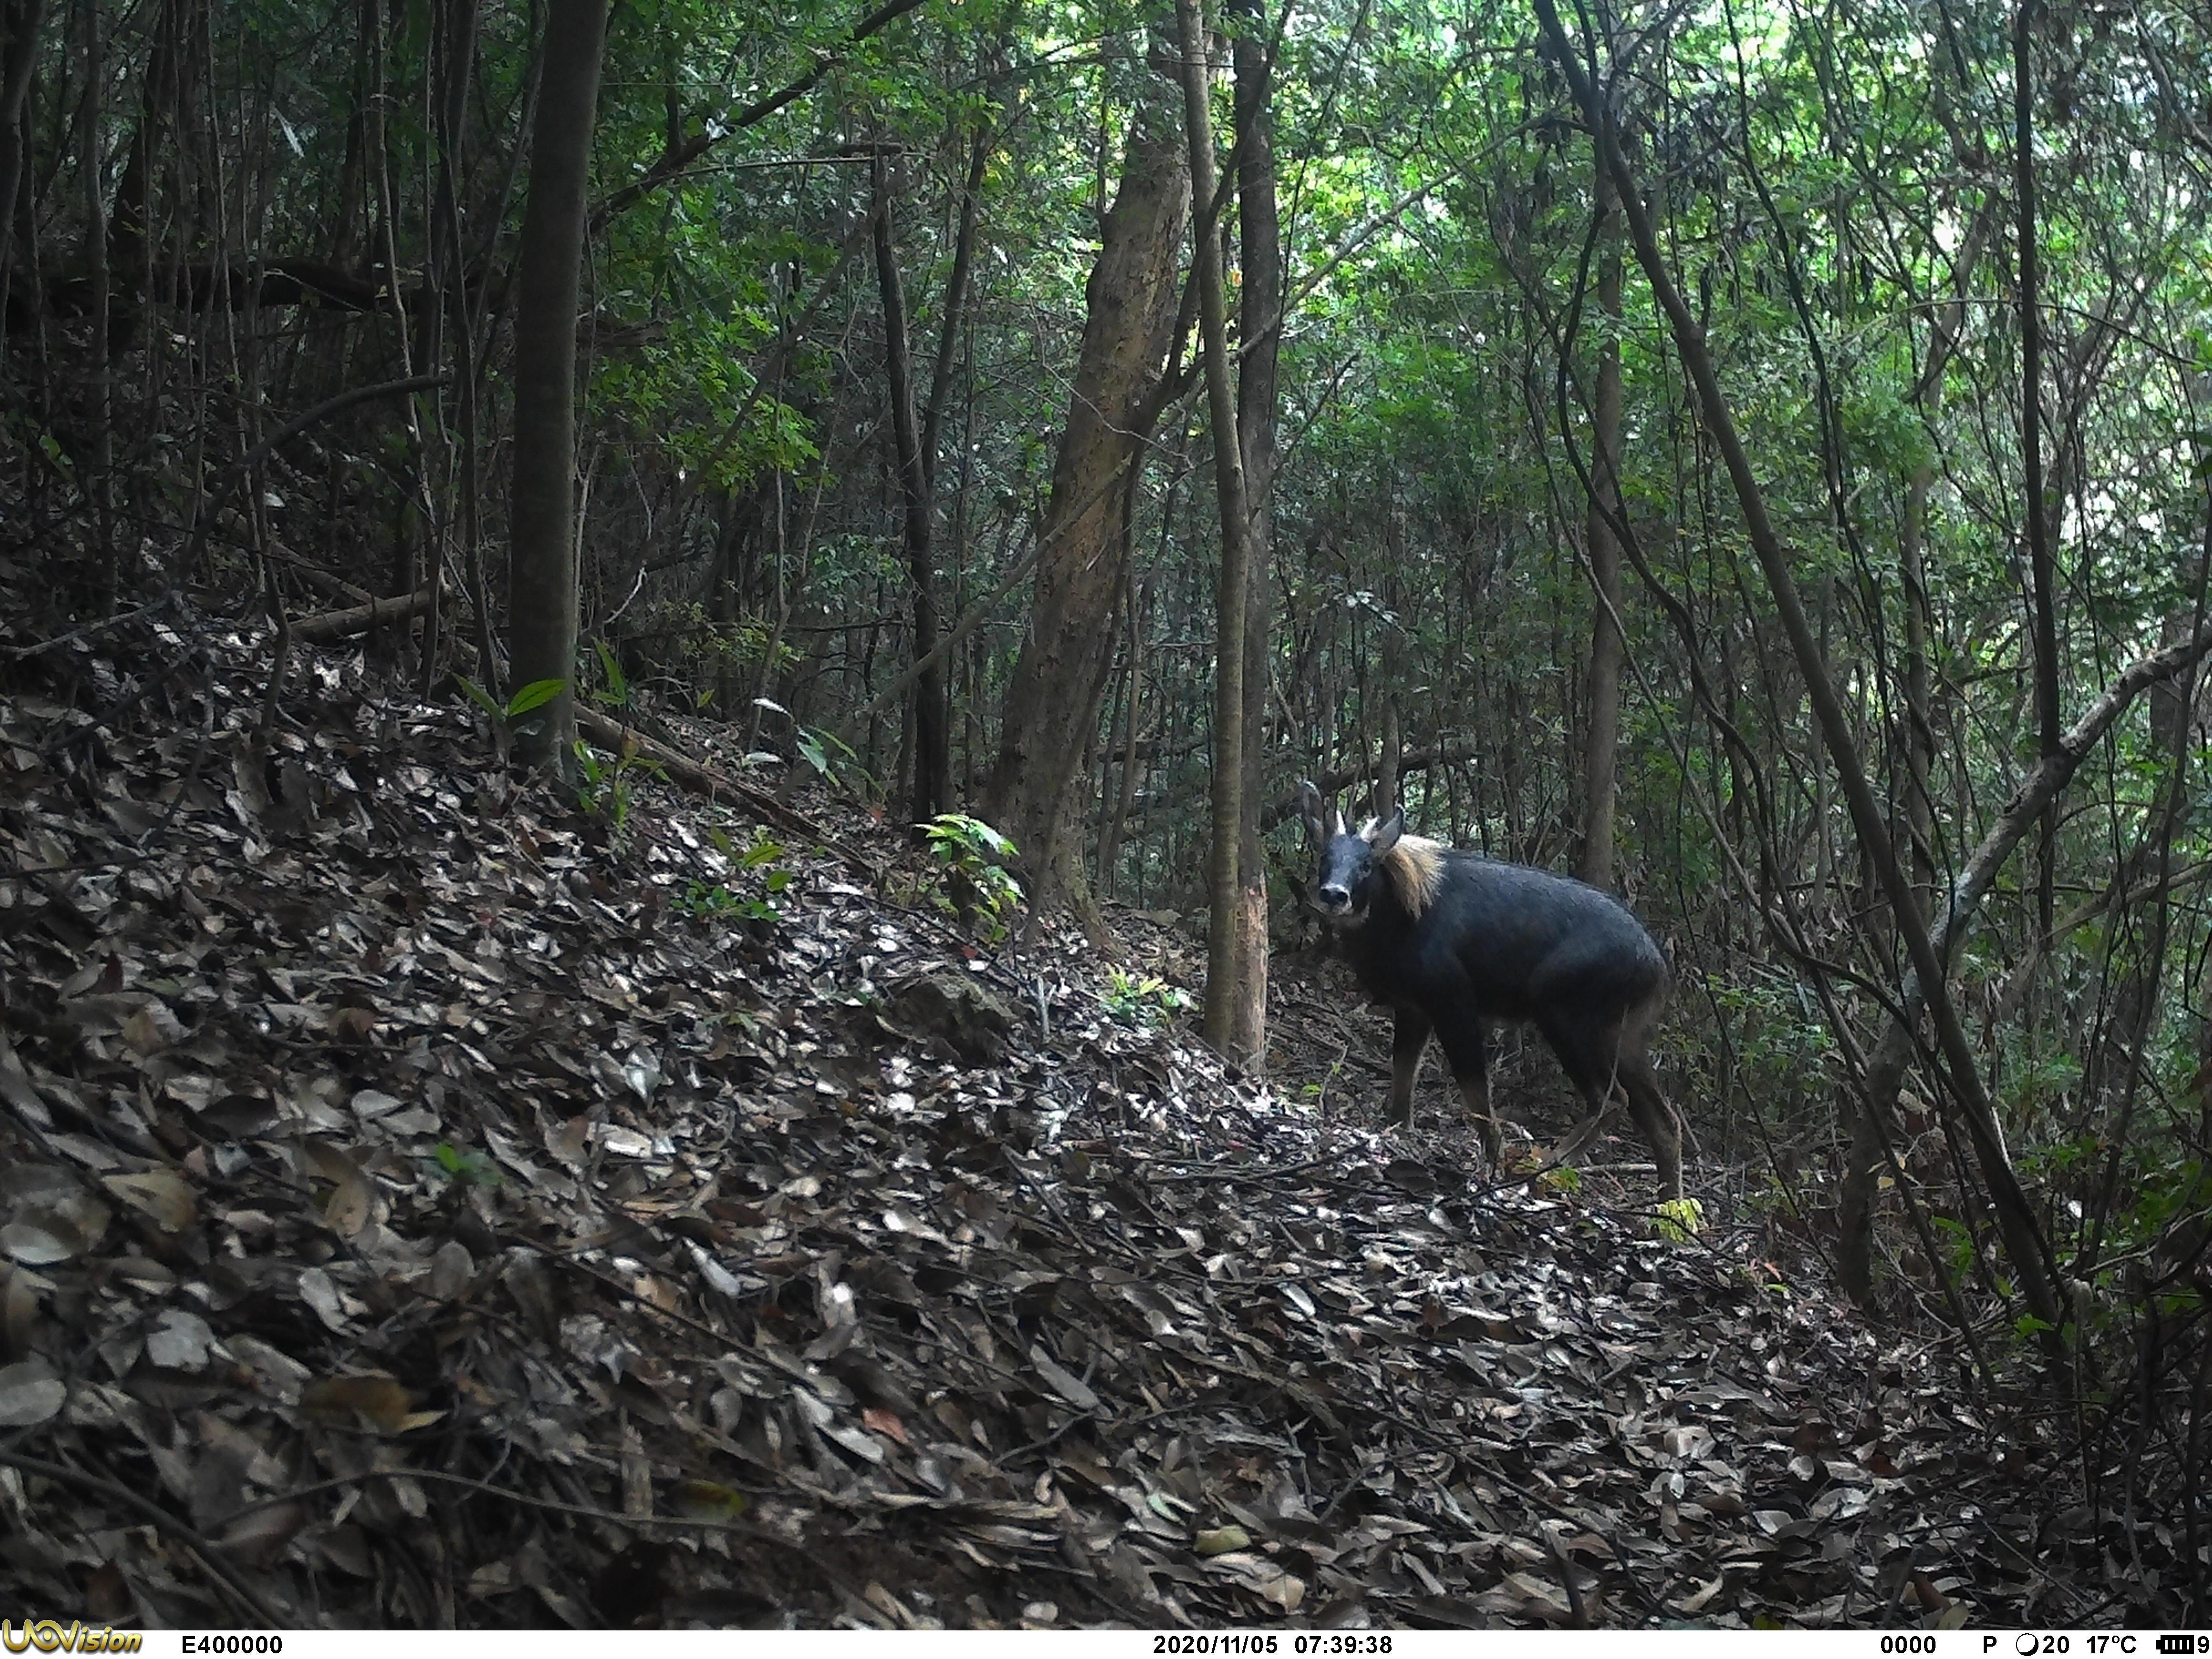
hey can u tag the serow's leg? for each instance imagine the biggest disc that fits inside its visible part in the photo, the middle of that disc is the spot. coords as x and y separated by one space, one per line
1406 1049
1657 1121
1586 1055
1469 1054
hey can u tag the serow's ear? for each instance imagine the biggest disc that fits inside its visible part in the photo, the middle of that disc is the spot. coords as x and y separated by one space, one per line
1384 836
1311 809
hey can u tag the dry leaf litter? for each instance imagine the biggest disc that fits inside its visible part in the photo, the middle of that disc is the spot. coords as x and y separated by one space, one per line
409 1215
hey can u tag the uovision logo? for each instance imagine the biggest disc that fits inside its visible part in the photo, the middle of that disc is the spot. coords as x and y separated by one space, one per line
50 1636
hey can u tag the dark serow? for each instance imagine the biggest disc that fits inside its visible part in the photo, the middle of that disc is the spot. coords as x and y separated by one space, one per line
1450 941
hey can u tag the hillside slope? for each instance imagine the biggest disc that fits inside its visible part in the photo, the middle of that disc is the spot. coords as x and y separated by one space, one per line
412 1215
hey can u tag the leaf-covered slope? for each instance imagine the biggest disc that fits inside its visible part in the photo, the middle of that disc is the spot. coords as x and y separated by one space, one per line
409 1215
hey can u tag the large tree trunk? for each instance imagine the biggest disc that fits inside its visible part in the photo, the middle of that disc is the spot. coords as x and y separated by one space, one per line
542 555
1600 752
1222 938
1258 336
1052 702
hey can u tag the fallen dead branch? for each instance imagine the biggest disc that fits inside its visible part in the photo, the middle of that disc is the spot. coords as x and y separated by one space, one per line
701 779
326 626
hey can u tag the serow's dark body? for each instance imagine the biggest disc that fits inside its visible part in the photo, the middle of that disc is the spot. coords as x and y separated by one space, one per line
1451 942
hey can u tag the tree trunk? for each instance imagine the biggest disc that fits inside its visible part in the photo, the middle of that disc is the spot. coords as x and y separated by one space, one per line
2031 448
446 304
1223 927
1919 681
1602 749
408 516
542 555
91 152
1052 701
1386 762
1109 839
931 748
18 53
1258 336
23 314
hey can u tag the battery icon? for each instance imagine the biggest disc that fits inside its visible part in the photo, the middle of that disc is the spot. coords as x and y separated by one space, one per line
2182 1643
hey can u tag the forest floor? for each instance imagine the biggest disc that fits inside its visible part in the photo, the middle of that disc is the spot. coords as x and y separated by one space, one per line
421 1203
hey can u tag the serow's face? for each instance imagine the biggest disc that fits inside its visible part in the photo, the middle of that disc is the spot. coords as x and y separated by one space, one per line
1343 861
1343 876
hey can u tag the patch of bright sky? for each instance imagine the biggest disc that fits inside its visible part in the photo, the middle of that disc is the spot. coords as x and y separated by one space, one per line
1762 30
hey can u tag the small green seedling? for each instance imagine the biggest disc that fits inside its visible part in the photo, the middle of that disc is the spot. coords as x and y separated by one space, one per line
470 1169
1143 998
536 695
603 788
616 694
506 721
973 858
763 854
827 753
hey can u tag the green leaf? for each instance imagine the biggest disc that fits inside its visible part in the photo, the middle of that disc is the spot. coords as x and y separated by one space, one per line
536 695
618 691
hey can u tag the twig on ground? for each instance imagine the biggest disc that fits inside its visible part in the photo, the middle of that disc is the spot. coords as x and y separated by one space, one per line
209 1552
